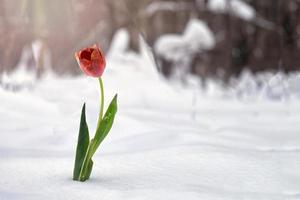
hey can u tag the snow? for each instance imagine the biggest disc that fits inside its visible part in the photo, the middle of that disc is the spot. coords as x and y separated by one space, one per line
37 48
169 141
196 37
21 76
119 43
181 49
41 54
199 35
238 8
155 7
170 46
275 86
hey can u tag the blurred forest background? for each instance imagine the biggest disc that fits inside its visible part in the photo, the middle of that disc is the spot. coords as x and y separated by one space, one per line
255 34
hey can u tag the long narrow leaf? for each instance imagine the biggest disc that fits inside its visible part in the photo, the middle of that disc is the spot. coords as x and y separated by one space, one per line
82 144
105 125
90 166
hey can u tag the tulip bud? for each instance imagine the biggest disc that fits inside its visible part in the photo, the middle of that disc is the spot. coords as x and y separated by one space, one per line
91 61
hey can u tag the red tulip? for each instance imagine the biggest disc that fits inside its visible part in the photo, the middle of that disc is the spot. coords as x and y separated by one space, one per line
91 61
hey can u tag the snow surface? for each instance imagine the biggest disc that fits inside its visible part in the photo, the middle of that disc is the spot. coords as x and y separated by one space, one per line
238 8
168 142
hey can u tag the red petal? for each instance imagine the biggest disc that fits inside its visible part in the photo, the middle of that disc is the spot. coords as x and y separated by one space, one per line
85 54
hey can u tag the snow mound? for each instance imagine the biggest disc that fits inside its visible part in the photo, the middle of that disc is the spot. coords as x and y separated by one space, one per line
196 37
171 47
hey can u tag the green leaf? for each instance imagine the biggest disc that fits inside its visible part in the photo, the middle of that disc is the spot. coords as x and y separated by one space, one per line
85 148
87 166
105 125
82 144
89 171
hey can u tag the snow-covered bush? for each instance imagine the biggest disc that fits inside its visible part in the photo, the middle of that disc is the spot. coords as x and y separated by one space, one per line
179 50
236 7
266 85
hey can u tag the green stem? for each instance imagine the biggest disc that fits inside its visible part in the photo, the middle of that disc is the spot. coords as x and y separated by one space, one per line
101 102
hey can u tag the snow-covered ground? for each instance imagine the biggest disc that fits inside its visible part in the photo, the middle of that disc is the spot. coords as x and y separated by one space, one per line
168 142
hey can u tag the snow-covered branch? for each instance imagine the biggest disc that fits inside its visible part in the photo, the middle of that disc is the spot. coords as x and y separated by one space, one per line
167 6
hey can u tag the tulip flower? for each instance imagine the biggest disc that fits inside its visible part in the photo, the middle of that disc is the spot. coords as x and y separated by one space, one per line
92 63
